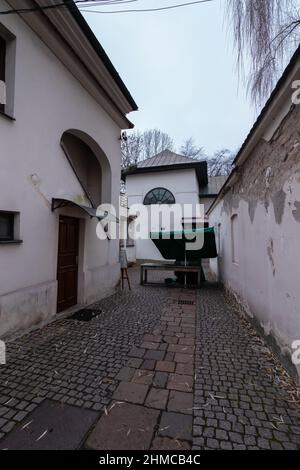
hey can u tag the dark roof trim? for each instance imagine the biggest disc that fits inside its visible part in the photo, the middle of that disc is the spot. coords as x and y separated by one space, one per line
203 196
100 51
265 109
200 167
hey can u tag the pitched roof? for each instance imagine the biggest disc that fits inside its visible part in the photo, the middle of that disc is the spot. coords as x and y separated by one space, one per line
215 183
166 157
169 161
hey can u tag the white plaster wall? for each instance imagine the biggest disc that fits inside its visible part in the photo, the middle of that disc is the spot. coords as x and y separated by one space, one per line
266 276
184 186
48 101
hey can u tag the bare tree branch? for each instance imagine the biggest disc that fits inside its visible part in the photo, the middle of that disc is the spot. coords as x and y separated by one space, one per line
189 149
138 146
220 164
266 32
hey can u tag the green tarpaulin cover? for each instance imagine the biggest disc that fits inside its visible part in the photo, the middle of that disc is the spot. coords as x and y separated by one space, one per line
172 245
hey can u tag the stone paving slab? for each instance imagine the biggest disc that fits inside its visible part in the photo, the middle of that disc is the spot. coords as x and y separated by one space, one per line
181 402
165 366
164 443
125 427
182 383
131 392
157 398
51 426
176 426
143 376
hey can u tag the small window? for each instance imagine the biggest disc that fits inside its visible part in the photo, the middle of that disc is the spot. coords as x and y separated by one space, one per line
6 226
7 71
159 196
9 227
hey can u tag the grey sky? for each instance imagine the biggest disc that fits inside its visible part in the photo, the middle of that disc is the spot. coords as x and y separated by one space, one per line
179 67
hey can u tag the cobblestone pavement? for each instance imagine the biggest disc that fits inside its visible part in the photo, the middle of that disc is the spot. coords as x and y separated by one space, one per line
76 362
237 405
134 364
152 408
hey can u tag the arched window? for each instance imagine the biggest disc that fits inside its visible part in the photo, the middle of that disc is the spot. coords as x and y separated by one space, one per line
159 196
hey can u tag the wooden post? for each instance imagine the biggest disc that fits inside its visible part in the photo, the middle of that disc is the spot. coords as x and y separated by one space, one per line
142 276
124 274
199 278
124 271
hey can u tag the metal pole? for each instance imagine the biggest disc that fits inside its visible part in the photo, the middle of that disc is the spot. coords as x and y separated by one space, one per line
185 266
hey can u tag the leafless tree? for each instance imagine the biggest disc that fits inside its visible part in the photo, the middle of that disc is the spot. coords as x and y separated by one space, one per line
220 164
189 149
265 33
131 148
140 145
137 146
155 141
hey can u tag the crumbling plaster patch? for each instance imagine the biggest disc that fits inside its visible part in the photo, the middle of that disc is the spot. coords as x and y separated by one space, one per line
265 172
252 205
278 200
25 308
270 251
296 211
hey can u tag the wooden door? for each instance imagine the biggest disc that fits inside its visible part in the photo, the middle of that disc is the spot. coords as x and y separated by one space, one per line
67 263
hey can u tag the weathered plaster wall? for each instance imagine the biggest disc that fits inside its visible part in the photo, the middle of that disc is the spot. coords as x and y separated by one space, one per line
48 101
266 200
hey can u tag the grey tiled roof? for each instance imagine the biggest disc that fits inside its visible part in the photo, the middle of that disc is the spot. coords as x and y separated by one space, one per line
215 183
166 157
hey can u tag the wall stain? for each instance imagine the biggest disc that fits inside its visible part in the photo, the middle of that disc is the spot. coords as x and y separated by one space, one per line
230 201
278 200
270 251
296 211
35 182
266 205
252 205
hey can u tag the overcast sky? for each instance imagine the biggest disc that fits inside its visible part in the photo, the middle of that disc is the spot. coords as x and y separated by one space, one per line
179 66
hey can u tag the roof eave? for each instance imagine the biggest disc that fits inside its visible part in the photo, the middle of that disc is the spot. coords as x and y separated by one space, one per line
67 35
80 20
200 167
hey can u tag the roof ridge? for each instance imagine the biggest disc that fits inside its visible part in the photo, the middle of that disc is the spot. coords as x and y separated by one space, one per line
160 154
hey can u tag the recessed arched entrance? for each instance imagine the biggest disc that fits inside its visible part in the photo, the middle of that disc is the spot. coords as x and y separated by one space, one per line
90 165
92 169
